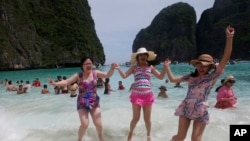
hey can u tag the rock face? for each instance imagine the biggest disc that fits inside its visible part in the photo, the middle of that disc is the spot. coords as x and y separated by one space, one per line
175 34
171 33
45 33
211 28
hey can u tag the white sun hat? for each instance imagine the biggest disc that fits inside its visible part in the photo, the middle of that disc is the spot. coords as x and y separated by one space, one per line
229 78
142 50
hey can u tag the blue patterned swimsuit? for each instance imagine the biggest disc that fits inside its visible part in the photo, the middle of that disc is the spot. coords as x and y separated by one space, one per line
87 98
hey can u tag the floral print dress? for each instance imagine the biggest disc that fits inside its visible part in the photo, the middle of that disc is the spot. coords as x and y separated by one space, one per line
195 105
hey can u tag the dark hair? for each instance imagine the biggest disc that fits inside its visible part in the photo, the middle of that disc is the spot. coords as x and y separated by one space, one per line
9 82
44 86
195 73
107 80
217 89
84 59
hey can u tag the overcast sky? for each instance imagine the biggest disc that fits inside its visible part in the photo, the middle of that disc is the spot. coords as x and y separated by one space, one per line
117 22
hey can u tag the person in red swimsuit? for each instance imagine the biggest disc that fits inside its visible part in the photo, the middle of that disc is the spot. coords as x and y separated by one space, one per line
37 83
120 86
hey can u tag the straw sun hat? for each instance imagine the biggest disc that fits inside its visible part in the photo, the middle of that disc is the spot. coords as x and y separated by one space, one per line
229 78
204 59
142 50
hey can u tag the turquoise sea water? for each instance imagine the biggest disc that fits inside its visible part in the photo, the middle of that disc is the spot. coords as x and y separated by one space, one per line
37 117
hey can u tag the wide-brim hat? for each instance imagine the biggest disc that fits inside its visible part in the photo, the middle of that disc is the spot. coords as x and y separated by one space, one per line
204 59
142 50
163 87
229 78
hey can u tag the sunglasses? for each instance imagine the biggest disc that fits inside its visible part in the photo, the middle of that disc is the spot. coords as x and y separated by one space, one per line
231 81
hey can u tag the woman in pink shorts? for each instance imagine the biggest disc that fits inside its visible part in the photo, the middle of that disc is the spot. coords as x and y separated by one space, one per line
195 106
142 96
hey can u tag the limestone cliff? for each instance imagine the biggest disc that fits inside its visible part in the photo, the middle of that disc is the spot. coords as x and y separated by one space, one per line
175 34
211 28
171 33
45 33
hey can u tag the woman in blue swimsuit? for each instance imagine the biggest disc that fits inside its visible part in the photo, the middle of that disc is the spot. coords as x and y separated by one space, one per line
88 100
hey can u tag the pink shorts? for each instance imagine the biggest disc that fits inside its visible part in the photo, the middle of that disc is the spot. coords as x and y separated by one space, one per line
142 98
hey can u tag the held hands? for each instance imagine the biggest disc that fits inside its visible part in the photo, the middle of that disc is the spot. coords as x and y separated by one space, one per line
166 64
230 31
114 66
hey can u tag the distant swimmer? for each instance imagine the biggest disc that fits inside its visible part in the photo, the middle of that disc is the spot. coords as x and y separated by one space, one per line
10 87
226 95
178 85
21 90
162 92
45 89
73 87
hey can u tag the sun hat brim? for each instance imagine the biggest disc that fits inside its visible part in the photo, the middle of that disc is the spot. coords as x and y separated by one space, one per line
229 78
204 63
151 56
204 59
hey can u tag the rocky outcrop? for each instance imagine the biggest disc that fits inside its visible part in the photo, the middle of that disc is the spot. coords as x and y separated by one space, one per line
175 34
171 33
45 33
211 28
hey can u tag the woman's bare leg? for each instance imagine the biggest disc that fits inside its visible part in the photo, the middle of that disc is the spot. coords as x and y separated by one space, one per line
147 118
135 119
84 119
182 129
198 130
97 120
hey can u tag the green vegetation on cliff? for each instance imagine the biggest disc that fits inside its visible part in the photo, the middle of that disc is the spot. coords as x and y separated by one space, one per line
45 33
